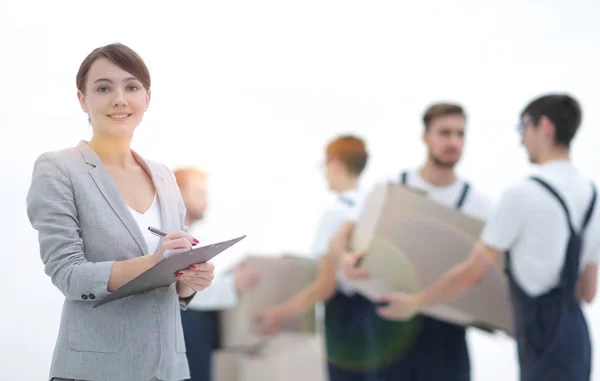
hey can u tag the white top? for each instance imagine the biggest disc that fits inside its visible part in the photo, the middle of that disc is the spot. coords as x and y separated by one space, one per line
150 217
531 223
476 204
332 219
220 295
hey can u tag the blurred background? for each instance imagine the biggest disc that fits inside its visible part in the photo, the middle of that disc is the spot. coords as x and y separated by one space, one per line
251 91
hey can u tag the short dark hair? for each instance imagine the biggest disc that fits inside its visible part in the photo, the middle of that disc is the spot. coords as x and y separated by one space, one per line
351 151
562 110
437 110
119 54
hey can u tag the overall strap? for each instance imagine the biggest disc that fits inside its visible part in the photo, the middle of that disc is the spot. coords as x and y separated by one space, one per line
403 177
550 189
463 196
570 270
588 214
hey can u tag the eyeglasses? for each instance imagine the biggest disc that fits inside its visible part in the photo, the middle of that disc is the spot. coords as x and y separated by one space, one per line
521 128
522 125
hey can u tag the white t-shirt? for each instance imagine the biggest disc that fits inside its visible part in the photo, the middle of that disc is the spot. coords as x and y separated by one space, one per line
530 222
476 204
150 217
332 220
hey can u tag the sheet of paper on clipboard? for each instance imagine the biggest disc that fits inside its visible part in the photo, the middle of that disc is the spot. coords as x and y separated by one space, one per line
163 273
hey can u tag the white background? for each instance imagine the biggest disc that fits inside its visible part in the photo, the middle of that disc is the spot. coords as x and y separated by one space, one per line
251 91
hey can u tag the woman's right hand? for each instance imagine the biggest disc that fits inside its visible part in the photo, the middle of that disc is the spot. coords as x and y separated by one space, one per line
174 242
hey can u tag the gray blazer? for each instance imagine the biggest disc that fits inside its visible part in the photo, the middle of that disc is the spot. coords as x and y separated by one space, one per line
84 226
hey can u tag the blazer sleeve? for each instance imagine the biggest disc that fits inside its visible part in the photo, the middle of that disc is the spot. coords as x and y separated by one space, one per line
52 211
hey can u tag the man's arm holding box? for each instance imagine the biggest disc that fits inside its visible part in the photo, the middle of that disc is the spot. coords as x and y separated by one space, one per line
586 284
499 234
457 280
324 284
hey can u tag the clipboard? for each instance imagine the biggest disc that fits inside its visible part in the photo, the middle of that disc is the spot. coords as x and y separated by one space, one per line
163 273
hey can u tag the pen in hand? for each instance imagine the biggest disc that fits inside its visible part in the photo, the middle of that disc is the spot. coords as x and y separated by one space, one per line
157 232
160 233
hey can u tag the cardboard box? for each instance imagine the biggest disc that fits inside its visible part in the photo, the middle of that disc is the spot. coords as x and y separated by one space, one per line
288 357
411 241
226 365
281 278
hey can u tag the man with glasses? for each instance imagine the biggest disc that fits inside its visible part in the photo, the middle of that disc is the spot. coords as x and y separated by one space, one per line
548 226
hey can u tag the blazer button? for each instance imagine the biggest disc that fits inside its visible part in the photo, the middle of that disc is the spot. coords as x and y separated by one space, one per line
84 296
92 296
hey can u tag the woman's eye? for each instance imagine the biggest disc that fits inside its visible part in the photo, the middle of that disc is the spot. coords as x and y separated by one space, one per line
103 89
133 87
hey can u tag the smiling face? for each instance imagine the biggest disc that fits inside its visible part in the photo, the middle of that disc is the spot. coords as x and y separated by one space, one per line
114 99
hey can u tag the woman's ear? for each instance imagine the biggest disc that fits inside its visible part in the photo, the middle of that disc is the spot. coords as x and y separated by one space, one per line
148 96
81 98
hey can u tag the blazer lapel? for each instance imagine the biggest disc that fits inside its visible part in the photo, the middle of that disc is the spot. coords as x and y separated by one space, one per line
161 192
107 187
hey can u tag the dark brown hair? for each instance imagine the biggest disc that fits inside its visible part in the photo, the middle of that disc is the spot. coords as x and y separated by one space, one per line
119 54
441 109
351 151
562 110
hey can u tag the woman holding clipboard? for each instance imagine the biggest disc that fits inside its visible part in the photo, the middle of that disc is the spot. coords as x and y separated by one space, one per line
92 205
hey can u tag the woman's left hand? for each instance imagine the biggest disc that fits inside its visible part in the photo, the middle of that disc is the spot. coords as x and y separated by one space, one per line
197 277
